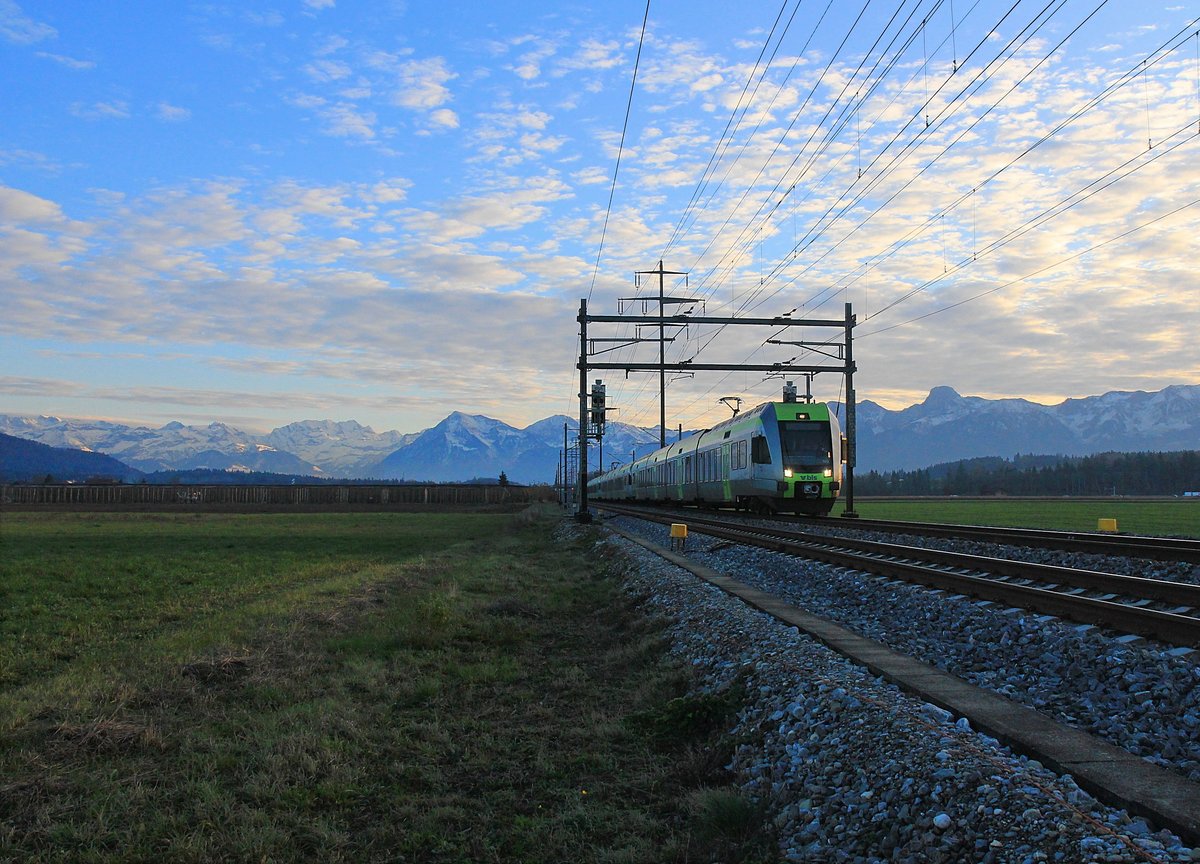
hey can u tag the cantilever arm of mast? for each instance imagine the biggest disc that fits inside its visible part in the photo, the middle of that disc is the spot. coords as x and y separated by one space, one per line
667 299
832 350
696 319
711 367
622 343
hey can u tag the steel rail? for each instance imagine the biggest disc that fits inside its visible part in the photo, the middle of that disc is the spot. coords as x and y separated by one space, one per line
1126 545
1138 587
1169 627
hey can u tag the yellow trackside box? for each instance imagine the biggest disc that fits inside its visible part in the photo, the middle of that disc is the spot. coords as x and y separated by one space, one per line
679 531
1106 525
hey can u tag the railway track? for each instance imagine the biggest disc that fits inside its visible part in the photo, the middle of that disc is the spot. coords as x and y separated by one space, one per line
1155 608
1128 545
1106 769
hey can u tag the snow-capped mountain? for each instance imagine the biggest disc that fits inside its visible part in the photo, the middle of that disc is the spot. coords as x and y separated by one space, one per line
464 446
167 448
947 427
342 448
944 427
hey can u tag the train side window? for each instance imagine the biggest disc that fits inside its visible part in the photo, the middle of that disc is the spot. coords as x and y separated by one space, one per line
760 453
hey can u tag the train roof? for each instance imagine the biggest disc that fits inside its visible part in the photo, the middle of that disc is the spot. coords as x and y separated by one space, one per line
677 447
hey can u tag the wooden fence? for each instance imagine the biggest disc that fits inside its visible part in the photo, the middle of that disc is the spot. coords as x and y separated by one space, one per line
148 495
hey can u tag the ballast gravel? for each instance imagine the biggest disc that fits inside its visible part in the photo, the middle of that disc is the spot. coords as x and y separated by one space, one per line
852 769
1139 695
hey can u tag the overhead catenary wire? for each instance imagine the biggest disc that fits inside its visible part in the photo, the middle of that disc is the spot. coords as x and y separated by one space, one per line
826 220
1156 56
828 138
758 233
612 190
974 190
1036 272
733 123
790 181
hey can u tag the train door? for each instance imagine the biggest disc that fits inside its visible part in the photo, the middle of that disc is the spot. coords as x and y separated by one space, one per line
726 486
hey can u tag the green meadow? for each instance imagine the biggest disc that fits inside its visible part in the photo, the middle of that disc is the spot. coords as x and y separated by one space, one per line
346 687
1163 518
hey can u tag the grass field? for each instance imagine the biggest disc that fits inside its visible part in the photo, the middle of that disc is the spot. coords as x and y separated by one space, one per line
344 687
1171 518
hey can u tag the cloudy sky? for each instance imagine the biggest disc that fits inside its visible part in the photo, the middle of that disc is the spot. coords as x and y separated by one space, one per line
265 212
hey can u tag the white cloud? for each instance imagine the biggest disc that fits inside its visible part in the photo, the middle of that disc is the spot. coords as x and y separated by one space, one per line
421 84
592 175
172 113
69 62
444 117
344 120
529 64
20 207
115 110
320 4
390 191
331 45
327 70
594 54
16 26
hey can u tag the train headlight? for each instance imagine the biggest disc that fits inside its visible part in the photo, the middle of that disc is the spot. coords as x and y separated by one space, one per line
828 472
787 472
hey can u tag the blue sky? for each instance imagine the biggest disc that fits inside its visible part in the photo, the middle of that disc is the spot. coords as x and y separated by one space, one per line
260 213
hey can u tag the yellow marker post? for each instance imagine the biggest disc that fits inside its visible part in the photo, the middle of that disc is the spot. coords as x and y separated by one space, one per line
678 535
1109 525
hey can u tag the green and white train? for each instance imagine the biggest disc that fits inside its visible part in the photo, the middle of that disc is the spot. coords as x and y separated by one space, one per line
780 456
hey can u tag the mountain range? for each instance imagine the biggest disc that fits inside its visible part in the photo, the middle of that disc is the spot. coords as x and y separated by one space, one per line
944 427
947 427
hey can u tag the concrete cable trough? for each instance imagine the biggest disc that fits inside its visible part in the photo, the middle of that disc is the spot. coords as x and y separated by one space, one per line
1113 774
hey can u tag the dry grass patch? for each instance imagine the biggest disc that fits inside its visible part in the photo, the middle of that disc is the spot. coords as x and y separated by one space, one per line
476 702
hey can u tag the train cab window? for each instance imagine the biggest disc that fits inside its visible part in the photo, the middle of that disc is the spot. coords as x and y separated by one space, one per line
760 453
806 445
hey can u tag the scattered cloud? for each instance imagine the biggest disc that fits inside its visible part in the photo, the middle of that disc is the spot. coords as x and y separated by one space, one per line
421 84
345 121
19 28
172 113
357 285
327 70
69 62
115 110
444 117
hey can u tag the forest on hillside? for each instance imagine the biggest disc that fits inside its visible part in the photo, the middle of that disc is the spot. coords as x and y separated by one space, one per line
1102 474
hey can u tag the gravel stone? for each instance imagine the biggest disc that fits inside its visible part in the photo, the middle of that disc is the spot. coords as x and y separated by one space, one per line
1139 695
852 769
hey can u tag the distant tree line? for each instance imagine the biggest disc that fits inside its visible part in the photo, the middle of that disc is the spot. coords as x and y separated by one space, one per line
1102 474
221 477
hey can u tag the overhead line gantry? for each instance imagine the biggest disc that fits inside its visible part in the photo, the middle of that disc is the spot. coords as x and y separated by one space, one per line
592 426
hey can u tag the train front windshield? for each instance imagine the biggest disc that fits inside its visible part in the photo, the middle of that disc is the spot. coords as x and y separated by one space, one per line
807 446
